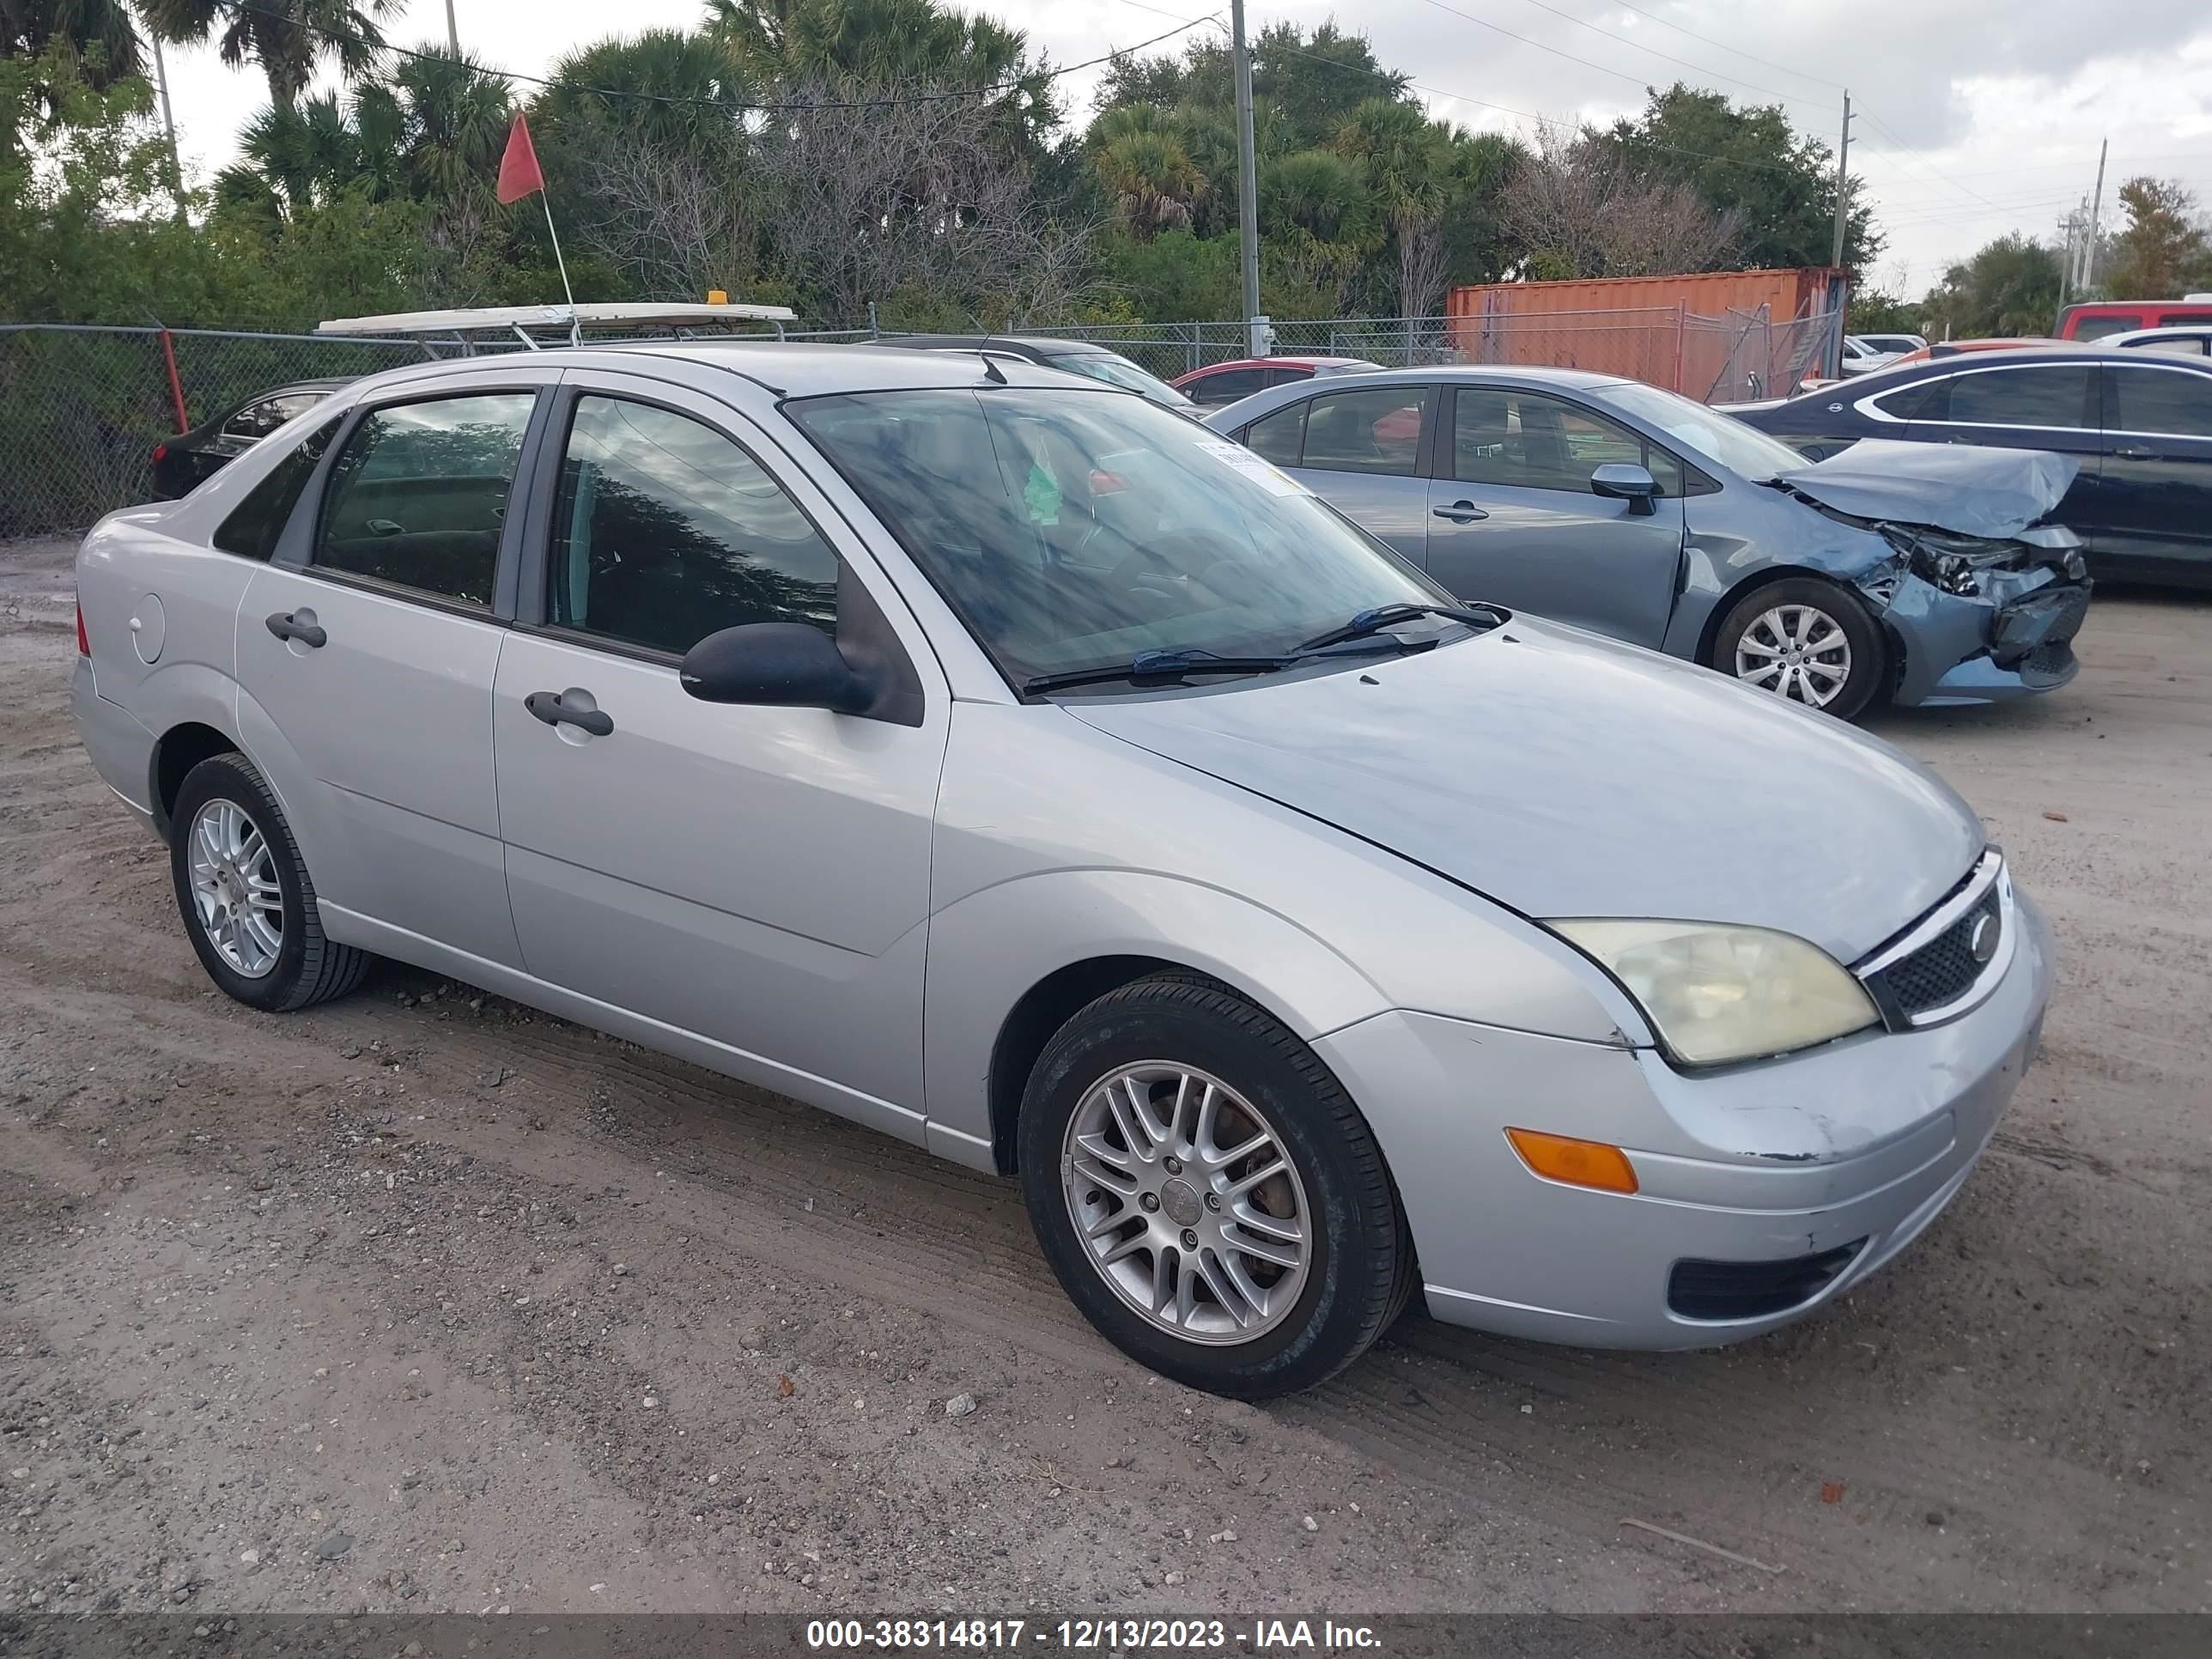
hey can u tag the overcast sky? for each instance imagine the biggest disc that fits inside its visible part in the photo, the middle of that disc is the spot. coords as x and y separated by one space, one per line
1978 116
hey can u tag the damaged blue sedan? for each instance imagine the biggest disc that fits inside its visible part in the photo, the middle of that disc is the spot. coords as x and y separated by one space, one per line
1915 573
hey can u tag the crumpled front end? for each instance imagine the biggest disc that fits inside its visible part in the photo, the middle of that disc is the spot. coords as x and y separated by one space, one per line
1977 619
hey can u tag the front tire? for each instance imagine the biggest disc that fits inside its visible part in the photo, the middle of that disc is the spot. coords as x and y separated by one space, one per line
244 891
1207 1193
1807 641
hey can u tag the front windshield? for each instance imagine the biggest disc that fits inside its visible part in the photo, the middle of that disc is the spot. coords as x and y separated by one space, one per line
1077 529
1744 450
1116 370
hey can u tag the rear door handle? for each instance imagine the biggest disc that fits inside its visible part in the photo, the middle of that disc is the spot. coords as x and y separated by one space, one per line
555 709
308 633
2135 452
1460 512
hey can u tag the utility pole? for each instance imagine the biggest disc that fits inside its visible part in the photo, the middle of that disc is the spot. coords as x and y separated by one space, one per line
1247 188
1835 365
453 30
2096 207
169 122
1843 184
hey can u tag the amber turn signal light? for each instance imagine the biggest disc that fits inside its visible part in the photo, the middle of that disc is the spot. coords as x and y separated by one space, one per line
1575 1163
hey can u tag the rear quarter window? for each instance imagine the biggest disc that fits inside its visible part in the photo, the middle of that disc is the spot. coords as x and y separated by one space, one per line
257 522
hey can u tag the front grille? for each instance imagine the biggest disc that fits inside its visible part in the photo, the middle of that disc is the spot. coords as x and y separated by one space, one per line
2048 660
1753 1290
1945 968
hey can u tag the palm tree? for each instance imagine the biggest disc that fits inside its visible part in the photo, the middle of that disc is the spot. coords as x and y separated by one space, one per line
98 33
1154 182
292 157
289 39
1406 157
667 84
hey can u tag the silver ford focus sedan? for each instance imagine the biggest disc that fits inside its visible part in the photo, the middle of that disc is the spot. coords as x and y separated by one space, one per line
990 757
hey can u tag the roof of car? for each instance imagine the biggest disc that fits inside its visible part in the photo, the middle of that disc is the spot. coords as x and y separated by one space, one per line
793 369
1049 343
2058 351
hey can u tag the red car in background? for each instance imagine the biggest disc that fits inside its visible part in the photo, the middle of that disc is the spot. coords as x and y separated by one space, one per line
1219 384
2093 319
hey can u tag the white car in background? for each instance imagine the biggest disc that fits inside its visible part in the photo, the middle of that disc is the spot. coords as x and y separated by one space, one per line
2188 339
1861 356
1894 345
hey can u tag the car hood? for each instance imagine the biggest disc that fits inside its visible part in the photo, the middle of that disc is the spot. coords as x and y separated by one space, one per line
1966 488
1563 775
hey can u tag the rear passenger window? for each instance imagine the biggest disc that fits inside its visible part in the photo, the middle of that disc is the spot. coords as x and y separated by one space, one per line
255 525
1924 400
1373 430
1281 436
417 495
2167 402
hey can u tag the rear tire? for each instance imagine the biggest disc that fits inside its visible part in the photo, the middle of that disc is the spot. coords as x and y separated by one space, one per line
1807 640
1169 1233
247 901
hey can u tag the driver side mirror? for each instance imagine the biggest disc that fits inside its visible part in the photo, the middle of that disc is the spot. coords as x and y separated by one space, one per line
1624 481
780 665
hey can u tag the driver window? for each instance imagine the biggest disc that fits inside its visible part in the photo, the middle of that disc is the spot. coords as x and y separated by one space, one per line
1526 440
664 531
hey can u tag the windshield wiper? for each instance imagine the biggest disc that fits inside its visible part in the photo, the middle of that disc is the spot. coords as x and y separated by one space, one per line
1156 666
1478 616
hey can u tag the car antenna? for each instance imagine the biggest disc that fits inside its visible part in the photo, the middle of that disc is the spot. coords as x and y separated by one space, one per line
992 372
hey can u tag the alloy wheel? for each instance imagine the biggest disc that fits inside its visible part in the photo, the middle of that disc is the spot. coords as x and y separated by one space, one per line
235 891
1187 1202
1795 650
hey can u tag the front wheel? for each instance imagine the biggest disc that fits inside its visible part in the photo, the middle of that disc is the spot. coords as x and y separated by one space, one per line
1207 1193
1808 642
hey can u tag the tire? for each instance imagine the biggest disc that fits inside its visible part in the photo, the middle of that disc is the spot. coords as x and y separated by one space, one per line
1354 1267
1809 611
220 864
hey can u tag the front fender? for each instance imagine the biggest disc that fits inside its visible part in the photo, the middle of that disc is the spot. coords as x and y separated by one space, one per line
988 949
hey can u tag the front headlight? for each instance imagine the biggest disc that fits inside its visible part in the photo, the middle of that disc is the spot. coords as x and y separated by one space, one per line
1715 994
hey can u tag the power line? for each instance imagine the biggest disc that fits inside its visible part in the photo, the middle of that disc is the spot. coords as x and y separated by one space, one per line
1638 46
729 104
1766 63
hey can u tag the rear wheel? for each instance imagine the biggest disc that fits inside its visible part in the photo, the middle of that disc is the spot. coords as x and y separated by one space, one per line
1207 1193
247 903
1808 642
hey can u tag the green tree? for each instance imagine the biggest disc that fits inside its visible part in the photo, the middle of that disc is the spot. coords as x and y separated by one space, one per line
97 37
2161 250
1779 185
288 39
2010 287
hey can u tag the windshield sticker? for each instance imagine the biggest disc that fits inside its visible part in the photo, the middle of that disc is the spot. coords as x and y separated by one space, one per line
1264 473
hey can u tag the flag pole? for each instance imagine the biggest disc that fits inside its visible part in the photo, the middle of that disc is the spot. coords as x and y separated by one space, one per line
545 200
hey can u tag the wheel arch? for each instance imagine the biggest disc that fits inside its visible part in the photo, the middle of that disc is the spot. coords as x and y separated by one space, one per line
1042 1011
1009 964
176 751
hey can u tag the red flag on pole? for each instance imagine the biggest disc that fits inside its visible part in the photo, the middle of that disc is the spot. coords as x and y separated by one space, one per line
518 173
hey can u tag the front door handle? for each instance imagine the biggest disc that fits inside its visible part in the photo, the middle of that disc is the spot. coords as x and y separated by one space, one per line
555 709
2135 452
284 626
1460 512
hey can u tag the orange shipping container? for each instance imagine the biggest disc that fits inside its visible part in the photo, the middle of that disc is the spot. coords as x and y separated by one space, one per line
1687 332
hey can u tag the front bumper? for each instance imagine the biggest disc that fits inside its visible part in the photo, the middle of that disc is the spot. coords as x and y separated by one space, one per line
2013 641
1860 1143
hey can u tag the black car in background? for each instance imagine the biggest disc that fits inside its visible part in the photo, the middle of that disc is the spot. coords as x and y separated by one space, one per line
2139 423
184 462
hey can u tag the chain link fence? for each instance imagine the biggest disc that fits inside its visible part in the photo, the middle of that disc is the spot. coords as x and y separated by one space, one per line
82 408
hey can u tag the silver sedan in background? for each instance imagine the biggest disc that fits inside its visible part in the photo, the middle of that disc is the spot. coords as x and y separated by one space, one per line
1924 578
990 756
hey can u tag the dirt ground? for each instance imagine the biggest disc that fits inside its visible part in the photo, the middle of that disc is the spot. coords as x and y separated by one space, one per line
421 1301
